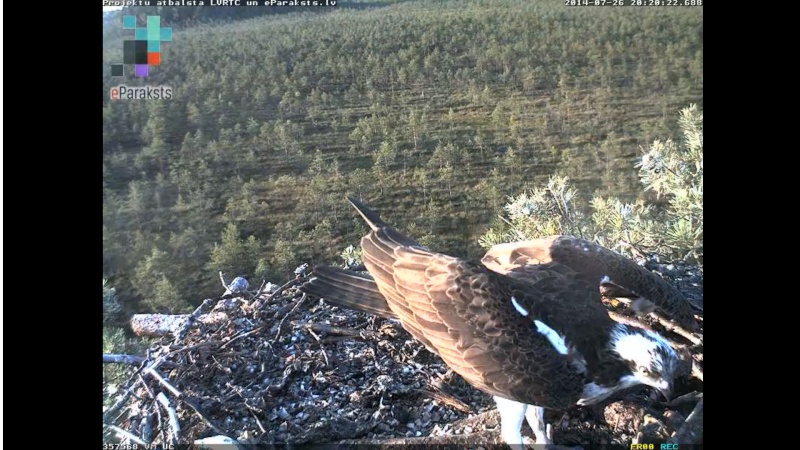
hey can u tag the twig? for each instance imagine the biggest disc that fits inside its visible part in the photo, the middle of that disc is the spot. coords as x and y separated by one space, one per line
617 317
205 419
133 360
677 329
164 382
124 433
235 338
280 325
202 309
259 302
222 280
692 430
147 427
146 387
260 288
447 399
123 359
120 402
160 428
321 347
328 329
175 426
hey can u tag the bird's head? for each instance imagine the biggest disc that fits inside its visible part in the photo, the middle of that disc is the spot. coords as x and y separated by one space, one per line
649 357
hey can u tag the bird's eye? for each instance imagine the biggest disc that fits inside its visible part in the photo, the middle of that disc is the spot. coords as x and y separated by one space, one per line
644 370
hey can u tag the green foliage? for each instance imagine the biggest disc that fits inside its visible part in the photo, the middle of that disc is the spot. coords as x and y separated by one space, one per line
112 310
433 112
234 255
675 172
116 342
152 279
540 212
670 169
351 256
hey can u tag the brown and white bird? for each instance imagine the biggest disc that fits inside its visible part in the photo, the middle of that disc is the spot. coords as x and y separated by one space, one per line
543 340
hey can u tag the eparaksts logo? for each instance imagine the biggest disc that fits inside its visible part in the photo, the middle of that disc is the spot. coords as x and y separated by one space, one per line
123 92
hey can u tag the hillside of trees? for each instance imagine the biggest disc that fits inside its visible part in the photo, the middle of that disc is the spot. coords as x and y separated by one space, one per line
433 112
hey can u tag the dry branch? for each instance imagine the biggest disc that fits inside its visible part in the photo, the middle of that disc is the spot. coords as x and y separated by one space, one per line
196 409
447 399
125 434
677 329
692 430
194 316
157 325
123 359
263 301
174 425
340 331
120 402
163 381
280 325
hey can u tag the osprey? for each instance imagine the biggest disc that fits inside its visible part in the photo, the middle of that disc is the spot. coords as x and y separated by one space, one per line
543 340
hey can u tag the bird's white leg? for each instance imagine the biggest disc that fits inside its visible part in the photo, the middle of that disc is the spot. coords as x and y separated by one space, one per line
535 417
511 416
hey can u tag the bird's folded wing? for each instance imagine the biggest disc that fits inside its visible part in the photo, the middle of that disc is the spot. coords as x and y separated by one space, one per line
594 264
465 312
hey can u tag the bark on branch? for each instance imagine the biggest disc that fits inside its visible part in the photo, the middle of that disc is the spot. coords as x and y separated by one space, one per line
157 325
692 430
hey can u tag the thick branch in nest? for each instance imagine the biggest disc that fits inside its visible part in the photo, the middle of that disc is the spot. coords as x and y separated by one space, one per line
692 430
174 425
157 325
125 434
340 331
123 359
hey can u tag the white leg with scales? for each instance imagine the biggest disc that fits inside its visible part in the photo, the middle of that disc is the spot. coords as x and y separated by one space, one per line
512 414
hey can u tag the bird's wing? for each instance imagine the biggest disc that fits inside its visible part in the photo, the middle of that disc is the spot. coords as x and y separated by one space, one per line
466 313
596 265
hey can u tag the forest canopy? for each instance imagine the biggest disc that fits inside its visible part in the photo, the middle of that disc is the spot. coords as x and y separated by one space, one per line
434 112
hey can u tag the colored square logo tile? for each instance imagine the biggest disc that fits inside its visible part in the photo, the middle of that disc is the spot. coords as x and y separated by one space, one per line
128 22
153 28
129 52
153 46
141 52
166 34
140 34
153 59
117 70
140 70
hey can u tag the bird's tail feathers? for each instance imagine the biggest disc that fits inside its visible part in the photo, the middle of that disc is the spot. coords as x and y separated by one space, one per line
347 289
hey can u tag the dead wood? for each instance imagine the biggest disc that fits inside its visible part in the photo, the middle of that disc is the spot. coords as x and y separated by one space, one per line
123 359
341 331
692 430
157 325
